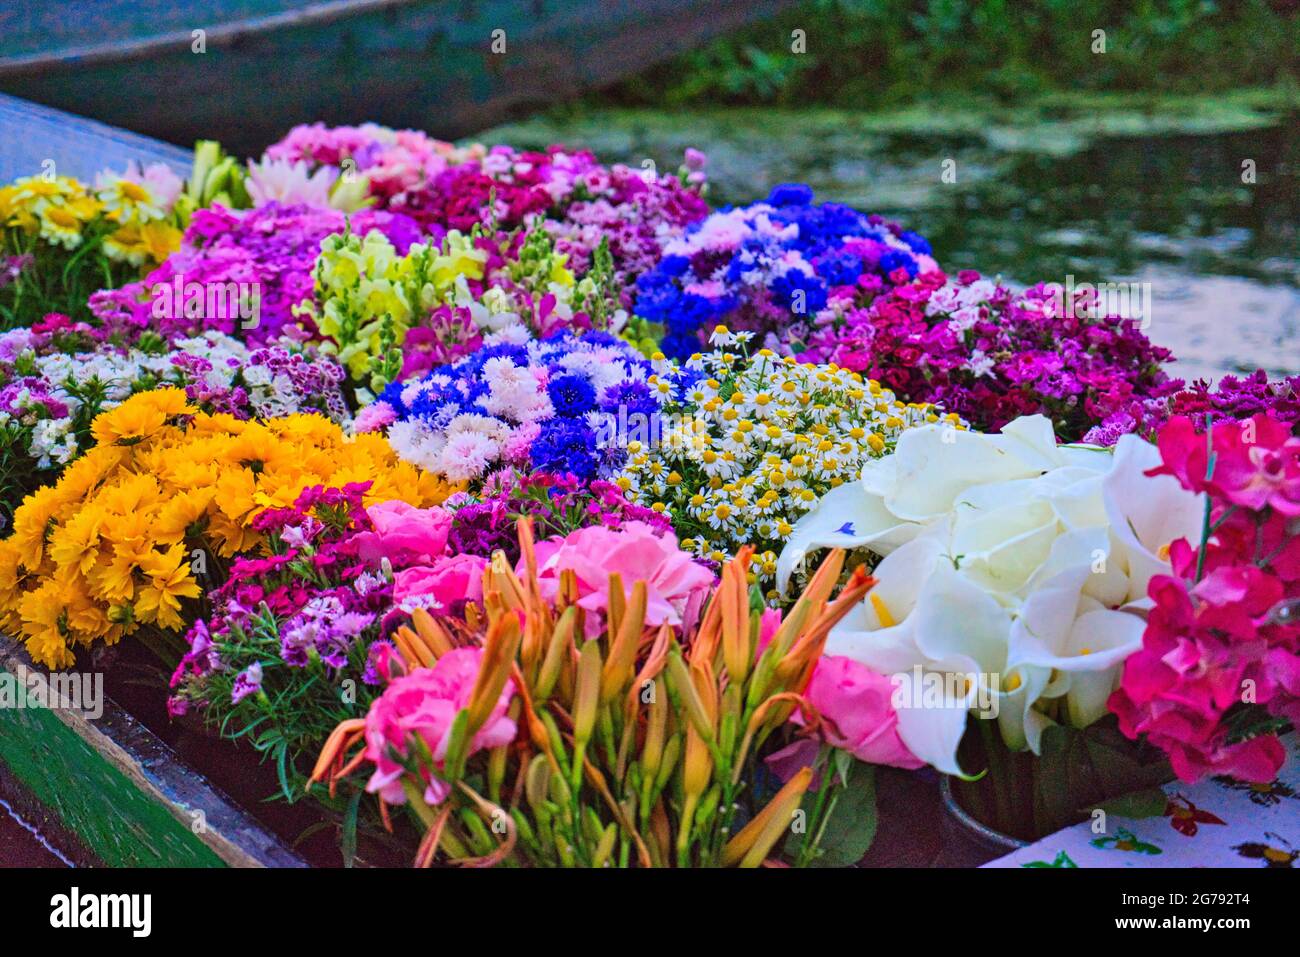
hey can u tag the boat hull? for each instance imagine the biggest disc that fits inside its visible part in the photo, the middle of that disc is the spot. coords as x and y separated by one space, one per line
425 65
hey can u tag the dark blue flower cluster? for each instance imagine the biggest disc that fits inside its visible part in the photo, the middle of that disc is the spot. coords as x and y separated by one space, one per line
742 267
594 372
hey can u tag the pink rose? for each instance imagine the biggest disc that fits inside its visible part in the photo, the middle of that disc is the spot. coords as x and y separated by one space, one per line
404 534
676 584
449 579
857 715
426 702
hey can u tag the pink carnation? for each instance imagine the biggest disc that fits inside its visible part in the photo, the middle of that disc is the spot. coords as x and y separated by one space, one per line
404 534
448 580
376 416
425 703
677 585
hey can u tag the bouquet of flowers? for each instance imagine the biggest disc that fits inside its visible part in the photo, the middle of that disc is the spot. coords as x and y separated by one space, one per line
991 355
57 376
517 742
241 272
168 493
1218 670
440 304
1013 587
62 238
752 444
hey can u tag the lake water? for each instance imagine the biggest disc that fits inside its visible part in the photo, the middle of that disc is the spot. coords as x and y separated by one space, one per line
1153 195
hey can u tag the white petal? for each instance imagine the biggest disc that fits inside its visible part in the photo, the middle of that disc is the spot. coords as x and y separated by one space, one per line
845 517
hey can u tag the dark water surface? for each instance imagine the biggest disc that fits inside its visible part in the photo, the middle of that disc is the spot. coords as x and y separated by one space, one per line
1097 192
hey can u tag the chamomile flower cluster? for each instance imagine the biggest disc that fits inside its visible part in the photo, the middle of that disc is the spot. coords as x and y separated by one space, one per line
542 405
755 441
129 530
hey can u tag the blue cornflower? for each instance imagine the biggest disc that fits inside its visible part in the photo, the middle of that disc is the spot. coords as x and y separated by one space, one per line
896 259
790 194
786 289
571 394
565 445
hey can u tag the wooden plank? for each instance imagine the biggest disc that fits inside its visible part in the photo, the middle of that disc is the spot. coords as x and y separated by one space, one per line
32 135
108 780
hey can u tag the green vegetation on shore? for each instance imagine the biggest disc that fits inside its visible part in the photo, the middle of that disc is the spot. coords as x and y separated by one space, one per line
867 54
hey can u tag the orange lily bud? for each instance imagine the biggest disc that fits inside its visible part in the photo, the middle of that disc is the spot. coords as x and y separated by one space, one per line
617 603
656 729
734 596
622 653
413 651
435 637
499 651
338 741
690 697
757 838
557 652
587 694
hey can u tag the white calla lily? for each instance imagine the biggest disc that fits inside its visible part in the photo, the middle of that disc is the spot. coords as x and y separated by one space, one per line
1014 574
1147 513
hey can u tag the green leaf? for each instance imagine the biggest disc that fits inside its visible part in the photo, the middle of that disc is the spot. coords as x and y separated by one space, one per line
851 827
348 840
1149 802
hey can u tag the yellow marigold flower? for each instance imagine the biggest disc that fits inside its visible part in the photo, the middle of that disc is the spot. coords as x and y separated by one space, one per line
44 630
169 581
140 417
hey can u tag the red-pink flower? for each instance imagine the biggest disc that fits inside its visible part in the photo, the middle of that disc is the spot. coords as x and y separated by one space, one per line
1256 461
676 584
404 534
425 703
1217 662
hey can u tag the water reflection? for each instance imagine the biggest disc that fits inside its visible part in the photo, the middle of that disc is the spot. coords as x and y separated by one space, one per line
1101 196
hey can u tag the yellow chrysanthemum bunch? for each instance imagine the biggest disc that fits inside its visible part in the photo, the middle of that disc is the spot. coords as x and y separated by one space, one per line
129 529
749 446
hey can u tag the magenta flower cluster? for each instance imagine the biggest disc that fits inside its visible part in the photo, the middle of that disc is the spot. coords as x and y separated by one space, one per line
990 354
1219 669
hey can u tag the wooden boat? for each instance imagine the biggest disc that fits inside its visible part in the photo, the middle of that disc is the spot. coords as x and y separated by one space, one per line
244 71
107 791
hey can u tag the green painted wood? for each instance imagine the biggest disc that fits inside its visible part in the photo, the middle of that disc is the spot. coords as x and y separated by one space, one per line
113 819
426 64
104 778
